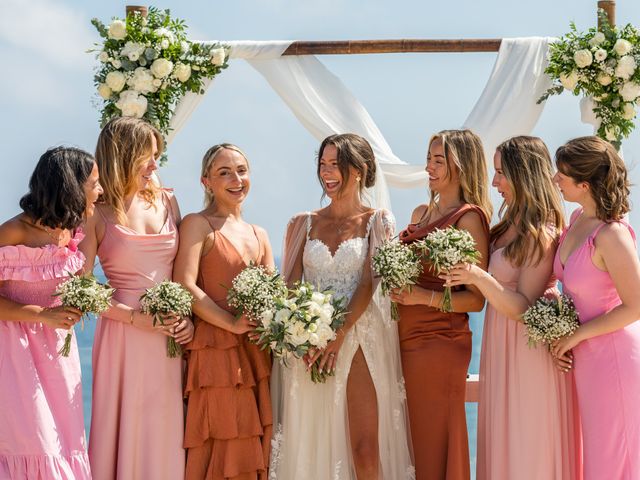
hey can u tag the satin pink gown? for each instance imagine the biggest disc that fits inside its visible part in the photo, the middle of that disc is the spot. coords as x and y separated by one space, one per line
606 370
41 419
528 427
137 416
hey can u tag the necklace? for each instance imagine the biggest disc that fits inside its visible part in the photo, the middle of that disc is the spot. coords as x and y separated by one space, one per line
48 231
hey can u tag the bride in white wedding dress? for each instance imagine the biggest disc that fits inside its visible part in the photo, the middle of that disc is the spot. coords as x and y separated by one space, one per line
355 425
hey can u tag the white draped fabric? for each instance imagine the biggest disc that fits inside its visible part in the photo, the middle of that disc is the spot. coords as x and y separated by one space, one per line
324 105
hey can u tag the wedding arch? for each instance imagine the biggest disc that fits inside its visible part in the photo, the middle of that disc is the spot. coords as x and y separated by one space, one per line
324 106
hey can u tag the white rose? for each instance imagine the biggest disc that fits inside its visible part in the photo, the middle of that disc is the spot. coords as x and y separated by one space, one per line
325 334
103 57
597 39
628 111
318 298
583 58
116 63
157 83
115 80
600 55
297 334
142 80
104 91
622 47
131 104
630 91
117 30
182 72
610 133
626 67
166 33
161 67
132 50
218 56
282 315
164 43
604 79
266 318
314 339
570 81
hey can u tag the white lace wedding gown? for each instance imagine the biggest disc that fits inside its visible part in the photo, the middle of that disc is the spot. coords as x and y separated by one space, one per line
311 437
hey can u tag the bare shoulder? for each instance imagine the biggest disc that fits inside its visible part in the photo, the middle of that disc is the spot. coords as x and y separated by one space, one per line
471 219
194 224
419 212
13 232
613 236
261 232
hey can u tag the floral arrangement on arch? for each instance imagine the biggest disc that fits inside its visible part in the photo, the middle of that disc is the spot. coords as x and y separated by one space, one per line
147 65
602 65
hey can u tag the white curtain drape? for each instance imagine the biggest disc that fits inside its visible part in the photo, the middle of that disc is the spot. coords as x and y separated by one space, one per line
324 105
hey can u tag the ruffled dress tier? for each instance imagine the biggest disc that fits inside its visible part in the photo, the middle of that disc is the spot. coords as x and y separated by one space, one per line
41 419
229 418
137 419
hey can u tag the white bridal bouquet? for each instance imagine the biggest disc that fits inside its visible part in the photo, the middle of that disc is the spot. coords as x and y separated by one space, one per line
147 64
398 266
85 293
602 65
254 290
167 298
304 319
444 248
550 319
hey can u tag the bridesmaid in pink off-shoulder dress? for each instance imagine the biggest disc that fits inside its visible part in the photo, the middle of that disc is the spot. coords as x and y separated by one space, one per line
598 266
41 419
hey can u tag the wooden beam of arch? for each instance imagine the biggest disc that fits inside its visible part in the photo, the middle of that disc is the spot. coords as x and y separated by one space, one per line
351 47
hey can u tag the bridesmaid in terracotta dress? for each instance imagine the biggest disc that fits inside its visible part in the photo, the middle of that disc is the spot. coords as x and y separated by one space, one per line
526 424
41 420
436 346
229 419
137 416
598 266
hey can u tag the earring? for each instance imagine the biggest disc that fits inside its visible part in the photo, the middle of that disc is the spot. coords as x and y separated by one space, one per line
358 179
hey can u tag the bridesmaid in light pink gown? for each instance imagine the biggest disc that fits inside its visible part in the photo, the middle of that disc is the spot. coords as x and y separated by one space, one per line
41 419
598 266
526 424
137 418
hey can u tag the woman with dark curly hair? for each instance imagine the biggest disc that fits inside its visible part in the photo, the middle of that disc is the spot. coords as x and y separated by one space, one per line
41 421
598 265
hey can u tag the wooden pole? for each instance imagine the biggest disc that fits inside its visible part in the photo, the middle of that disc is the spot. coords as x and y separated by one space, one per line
350 47
609 7
137 8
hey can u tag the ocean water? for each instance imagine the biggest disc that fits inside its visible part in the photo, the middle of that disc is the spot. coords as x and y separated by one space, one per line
85 342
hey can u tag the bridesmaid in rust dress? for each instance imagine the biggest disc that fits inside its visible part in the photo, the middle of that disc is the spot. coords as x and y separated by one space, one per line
229 421
436 346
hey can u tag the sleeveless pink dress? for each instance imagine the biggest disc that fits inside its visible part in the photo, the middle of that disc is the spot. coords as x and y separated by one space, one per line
137 416
606 370
41 420
527 428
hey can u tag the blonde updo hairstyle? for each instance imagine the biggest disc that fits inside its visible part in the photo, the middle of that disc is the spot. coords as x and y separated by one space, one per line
207 163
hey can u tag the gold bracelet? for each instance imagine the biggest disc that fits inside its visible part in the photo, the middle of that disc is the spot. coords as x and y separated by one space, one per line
433 292
131 316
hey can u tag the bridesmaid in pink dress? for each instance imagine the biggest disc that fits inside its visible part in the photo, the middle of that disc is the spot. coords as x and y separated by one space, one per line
526 424
137 416
598 266
41 420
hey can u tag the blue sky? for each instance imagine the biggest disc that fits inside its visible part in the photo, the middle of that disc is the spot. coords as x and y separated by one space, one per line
48 95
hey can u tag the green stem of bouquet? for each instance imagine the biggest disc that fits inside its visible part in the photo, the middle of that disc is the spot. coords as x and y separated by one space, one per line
318 377
66 348
174 349
446 300
395 315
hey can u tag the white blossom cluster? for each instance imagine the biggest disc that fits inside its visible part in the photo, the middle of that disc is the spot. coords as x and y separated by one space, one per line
148 64
398 265
254 290
603 65
445 248
85 293
165 298
304 319
548 320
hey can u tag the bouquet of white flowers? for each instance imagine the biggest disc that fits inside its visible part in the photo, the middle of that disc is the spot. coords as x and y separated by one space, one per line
303 320
85 293
254 290
398 265
602 65
550 319
444 248
167 298
147 65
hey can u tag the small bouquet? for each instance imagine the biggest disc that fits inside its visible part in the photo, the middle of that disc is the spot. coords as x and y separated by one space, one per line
167 298
398 265
254 290
303 320
85 293
550 319
444 248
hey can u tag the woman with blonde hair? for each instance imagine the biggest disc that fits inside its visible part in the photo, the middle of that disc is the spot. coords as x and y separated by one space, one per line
137 411
598 266
436 346
526 423
228 428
